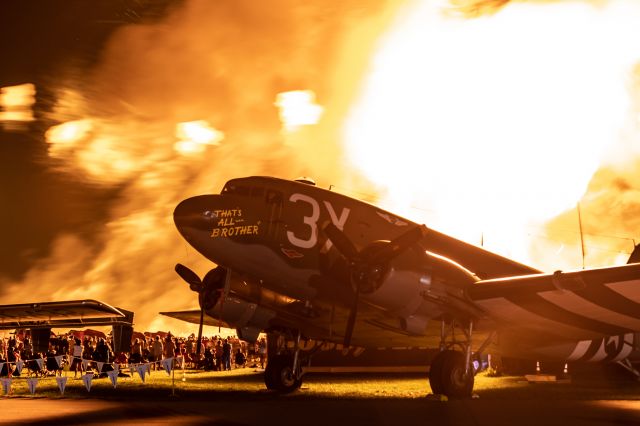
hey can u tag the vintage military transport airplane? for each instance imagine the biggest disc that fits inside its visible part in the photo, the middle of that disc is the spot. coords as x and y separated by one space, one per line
302 262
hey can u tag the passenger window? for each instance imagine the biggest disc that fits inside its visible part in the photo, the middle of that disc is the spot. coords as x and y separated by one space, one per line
274 197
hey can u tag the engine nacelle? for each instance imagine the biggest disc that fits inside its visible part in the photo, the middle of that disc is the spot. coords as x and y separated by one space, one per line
249 319
416 295
401 291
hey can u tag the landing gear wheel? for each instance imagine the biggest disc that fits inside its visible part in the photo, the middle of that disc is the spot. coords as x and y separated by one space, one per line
454 381
279 374
269 376
435 373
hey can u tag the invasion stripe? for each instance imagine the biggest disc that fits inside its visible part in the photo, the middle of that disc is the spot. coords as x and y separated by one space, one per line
629 289
509 314
610 299
579 350
536 304
619 347
593 350
601 354
591 309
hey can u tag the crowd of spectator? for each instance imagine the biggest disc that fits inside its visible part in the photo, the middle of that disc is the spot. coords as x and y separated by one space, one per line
216 353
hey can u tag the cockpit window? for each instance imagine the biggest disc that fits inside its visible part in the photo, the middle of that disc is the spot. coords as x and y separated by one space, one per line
232 188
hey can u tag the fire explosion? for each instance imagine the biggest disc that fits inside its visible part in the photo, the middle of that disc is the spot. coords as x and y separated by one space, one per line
488 120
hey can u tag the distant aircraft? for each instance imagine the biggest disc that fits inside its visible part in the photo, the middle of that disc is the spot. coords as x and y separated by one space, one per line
302 262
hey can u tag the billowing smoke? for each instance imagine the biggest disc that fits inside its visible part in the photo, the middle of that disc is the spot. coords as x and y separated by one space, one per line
222 63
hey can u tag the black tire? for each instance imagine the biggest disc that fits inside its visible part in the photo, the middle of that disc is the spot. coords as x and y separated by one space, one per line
270 376
435 373
279 375
455 382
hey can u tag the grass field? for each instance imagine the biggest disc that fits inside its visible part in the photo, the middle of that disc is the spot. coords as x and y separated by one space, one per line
248 384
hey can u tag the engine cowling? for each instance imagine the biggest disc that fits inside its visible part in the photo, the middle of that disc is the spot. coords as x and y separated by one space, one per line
249 319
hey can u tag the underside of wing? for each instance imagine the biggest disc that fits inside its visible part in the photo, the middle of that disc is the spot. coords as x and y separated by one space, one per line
193 317
374 328
586 304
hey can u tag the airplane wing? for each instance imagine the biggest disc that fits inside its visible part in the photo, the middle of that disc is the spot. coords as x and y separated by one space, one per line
75 313
193 317
584 304
483 263
325 323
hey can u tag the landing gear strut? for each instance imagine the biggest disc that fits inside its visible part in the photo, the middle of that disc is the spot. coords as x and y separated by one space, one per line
451 373
283 372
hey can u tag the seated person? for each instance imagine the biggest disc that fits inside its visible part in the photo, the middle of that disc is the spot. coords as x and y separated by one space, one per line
239 358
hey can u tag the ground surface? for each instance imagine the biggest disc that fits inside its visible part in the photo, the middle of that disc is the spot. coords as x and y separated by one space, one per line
239 398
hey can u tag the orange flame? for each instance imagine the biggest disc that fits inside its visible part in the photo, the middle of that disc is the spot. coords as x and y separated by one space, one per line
16 102
69 133
298 108
195 136
491 126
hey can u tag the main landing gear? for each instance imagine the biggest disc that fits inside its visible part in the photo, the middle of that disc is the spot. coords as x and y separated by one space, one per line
451 372
284 369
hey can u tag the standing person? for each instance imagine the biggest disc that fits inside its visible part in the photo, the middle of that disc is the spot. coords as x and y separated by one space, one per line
156 350
76 353
87 349
169 347
190 350
218 354
136 352
102 351
262 351
226 355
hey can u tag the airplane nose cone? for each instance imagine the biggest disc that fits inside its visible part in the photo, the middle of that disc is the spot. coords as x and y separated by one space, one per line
196 213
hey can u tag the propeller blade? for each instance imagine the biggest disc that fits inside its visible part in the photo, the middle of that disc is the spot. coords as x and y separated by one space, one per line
199 342
214 279
400 244
340 240
189 276
351 322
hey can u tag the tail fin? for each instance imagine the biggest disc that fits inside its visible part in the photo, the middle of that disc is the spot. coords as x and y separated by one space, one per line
635 255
